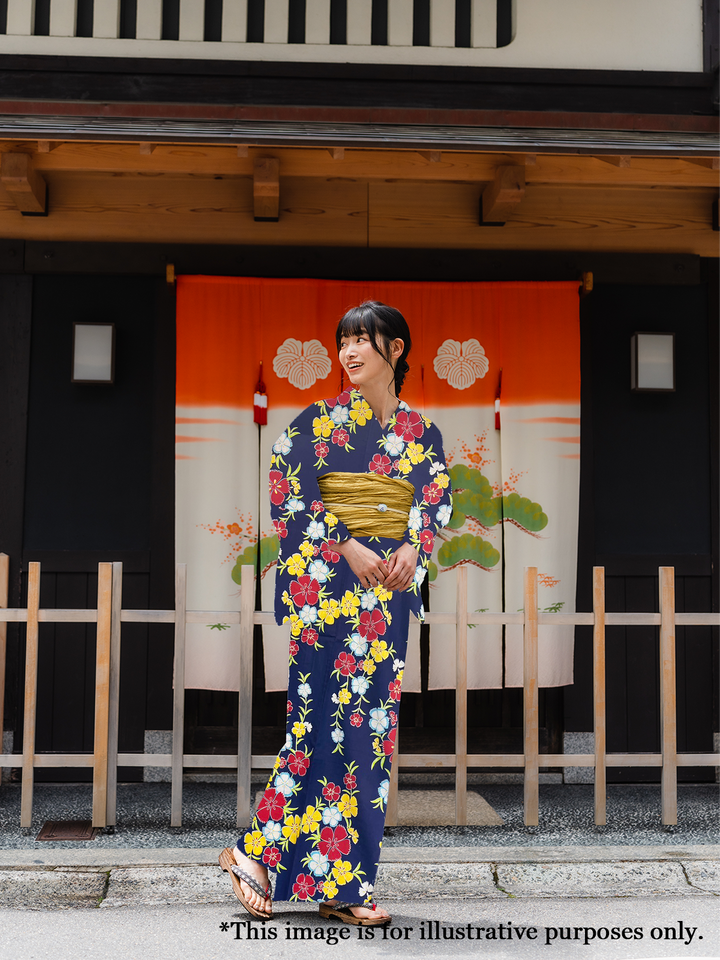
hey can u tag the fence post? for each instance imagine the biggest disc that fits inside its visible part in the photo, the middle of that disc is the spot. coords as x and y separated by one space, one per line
461 632
114 711
4 590
247 623
178 738
668 706
30 707
102 694
599 719
530 696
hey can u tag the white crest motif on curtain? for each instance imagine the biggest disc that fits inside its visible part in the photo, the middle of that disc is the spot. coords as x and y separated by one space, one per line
302 362
461 364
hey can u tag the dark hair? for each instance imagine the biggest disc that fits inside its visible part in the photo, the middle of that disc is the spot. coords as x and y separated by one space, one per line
382 324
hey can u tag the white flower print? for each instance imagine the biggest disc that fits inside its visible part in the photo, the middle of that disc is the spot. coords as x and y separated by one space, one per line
359 685
357 645
304 690
318 570
379 720
288 742
283 444
302 362
284 783
272 831
436 468
443 514
331 816
368 601
384 789
308 726
339 415
366 889
337 735
315 530
420 572
335 698
398 664
308 614
415 520
318 863
394 445
293 505
461 364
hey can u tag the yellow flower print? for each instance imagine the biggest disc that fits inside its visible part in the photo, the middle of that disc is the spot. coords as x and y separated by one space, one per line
296 565
342 871
307 549
344 696
323 426
404 465
415 451
298 729
400 675
296 625
330 889
441 479
291 828
295 486
329 611
368 666
273 460
349 603
379 650
382 594
311 819
331 520
254 843
354 835
286 599
376 745
348 806
360 412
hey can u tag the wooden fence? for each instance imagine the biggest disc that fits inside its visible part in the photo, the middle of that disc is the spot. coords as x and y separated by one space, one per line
110 616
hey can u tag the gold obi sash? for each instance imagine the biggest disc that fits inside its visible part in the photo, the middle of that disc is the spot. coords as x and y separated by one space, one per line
368 504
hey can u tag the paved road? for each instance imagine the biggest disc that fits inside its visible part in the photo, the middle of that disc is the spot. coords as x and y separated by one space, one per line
518 928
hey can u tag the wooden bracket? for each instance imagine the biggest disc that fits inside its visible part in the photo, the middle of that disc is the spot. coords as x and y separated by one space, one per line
243 150
712 163
170 273
530 159
266 189
615 161
337 153
432 156
501 197
715 219
24 184
146 149
586 283
47 146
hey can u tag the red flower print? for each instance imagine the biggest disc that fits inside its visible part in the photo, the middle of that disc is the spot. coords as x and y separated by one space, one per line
299 762
304 886
340 401
329 555
280 528
356 719
350 781
426 520
380 464
432 493
282 763
371 624
346 663
293 648
340 436
289 706
321 450
395 688
278 487
393 717
304 590
334 843
332 792
317 506
389 743
309 636
409 426
427 539
271 806
271 856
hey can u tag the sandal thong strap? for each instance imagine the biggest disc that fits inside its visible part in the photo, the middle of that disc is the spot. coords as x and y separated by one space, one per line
251 882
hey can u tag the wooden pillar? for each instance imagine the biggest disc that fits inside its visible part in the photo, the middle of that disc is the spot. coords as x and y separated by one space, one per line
668 706
530 697
244 764
599 694
30 705
178 739
4 586
102 694
114 711
461 729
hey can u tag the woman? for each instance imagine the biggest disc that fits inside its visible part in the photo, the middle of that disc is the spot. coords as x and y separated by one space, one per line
358 488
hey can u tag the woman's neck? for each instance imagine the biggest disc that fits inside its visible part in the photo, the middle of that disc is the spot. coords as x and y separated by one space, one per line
382 403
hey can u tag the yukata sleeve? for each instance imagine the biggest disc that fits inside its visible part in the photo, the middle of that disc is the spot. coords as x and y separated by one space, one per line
306 531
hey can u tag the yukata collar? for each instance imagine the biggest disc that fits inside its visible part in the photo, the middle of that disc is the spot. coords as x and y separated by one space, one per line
355 394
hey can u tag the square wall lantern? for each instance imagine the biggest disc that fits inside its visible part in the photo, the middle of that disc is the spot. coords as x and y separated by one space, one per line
93 353
652 358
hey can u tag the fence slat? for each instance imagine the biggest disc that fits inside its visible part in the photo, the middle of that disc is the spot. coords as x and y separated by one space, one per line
30 711
668 706
192 20
234 21
20 18
317 21
483 29
530 698
276 21
442 23
400 23
4 590
244 759
148 21
178 696
106 19
599 694
114 708
461 731
359 22
63 18
102 694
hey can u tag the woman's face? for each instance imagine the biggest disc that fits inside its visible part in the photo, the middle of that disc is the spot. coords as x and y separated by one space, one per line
363 364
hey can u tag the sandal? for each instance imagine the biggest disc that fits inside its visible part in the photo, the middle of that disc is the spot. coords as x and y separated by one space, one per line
342 912
228 864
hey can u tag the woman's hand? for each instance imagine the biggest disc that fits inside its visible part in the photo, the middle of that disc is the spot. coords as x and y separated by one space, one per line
401 568
370 569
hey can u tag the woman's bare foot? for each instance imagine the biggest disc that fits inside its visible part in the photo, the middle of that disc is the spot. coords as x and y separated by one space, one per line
364 913
259 873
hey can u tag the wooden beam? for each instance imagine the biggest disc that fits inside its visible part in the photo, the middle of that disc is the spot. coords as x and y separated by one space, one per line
616 161
710 163
501 197
266 189
26 187
47 146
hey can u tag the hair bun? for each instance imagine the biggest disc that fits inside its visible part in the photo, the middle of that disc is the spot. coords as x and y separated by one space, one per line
401 369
